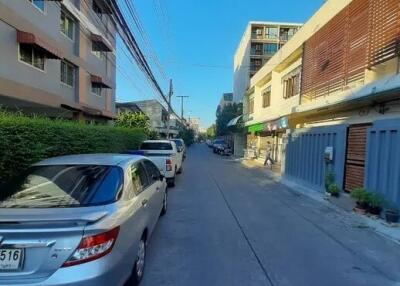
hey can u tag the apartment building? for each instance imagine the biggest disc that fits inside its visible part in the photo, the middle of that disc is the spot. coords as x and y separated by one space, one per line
58 58
194 123
259 43
157 114
226 99
330 101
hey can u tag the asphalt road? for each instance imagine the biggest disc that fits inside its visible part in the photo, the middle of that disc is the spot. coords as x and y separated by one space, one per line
228 225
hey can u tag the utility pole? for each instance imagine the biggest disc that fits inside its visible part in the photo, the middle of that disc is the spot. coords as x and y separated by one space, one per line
182 97
170 93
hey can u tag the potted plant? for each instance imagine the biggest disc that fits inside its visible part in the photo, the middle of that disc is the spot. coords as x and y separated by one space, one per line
375 202
329 180
392 213
361 197
333 190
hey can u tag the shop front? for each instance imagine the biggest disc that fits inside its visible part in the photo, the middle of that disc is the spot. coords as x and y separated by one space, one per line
266 140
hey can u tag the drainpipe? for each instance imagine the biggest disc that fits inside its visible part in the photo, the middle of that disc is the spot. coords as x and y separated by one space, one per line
398 65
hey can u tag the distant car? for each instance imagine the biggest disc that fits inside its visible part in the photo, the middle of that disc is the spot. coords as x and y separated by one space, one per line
167 157
218 144
81 220
209 143
180 144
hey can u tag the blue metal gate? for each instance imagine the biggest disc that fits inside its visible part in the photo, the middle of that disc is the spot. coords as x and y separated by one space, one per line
382 166
305 155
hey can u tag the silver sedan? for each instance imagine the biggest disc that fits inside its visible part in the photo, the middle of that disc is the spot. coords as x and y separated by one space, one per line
81 220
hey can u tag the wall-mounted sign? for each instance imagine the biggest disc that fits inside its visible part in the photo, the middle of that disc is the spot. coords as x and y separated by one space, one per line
281 123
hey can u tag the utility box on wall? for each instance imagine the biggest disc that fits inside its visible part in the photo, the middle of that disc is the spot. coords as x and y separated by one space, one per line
328 154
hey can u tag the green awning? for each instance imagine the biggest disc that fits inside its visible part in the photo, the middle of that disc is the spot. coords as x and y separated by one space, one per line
256 127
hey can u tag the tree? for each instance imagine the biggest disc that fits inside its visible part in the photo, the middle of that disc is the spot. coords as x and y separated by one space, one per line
136 120
211 132
225 115
187 135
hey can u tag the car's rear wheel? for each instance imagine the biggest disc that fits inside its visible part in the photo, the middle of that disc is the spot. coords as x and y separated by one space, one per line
180 170
165 204
138 269
171 182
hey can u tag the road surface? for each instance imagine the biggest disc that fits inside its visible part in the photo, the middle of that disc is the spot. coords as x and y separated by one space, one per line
228 225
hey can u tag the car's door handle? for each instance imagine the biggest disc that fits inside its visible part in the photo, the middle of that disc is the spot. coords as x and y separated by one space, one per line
144 202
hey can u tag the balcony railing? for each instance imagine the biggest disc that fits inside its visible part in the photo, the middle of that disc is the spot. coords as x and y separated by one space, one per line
256 53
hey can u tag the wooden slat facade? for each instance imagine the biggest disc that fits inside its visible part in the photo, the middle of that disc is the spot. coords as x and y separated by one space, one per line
355 156
364 34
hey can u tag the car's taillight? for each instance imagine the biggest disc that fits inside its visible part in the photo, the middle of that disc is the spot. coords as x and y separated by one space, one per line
93 247
168 165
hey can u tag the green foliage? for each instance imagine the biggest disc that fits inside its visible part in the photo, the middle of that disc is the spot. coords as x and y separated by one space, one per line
333 189
360 194
26 140
187 135
134 120
225 115
211 132
329 180
375 200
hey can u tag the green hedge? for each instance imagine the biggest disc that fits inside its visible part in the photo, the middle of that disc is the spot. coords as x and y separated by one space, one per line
26 140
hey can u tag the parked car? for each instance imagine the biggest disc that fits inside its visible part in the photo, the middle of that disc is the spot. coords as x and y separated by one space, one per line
218 144
209 143
224 150
166 156
180 144
81 220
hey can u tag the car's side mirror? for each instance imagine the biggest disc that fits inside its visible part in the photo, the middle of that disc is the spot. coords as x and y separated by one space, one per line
161 177
180 150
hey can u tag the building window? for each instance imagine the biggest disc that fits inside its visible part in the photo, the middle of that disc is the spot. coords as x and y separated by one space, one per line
271 33
291 86
255 64
287 33
270 49
28 54
266 97
96 90
67 25
257 32
256 49
67 73
97 52
251 105
40 4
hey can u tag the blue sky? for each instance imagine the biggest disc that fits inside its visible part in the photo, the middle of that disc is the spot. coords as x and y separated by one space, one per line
194 42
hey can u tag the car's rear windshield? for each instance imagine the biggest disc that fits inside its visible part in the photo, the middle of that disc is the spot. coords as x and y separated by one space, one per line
178 143
55 186
156 146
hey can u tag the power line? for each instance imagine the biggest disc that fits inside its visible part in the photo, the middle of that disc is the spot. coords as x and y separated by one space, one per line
135 50
134 15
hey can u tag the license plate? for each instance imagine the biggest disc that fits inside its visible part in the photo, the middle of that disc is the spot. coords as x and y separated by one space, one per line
11 259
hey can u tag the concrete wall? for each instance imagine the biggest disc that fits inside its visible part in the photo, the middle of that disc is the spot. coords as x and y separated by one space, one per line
241 66
153 109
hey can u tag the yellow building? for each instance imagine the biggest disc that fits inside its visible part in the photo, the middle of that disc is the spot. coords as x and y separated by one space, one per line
337 76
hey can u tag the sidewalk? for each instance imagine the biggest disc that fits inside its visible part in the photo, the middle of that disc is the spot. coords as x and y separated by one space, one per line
343 204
